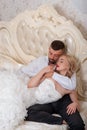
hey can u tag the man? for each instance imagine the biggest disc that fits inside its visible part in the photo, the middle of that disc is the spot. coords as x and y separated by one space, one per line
65 107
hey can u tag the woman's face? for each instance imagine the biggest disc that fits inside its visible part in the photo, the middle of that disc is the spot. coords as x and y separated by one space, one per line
62 65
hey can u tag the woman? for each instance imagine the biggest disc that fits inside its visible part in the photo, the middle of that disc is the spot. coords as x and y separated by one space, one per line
47 90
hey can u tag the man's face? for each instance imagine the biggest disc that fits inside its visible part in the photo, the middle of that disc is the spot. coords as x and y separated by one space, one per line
53 55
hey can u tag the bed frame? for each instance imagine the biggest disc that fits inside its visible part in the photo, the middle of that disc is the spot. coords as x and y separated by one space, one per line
29 35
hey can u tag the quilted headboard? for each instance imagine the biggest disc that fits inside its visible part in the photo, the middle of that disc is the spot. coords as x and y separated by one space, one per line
30 33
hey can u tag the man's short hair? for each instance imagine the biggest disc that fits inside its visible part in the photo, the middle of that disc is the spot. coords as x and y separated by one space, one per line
57 45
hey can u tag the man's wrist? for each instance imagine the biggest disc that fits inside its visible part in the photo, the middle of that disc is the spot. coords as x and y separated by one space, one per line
77 105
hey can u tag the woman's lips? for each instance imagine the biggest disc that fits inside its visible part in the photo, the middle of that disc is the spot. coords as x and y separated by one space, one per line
57 65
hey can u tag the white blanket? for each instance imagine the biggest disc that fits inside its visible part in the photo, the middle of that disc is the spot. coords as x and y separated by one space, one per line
12 105
46 92
15 97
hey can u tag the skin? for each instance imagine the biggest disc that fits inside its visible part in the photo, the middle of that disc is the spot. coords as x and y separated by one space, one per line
62 65
54 55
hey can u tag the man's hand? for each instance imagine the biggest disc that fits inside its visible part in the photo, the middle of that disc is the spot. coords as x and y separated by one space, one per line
49 74
47 69
39 77
74 105
72 108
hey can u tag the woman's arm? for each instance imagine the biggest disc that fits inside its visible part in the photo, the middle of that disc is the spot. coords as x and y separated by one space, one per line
38 78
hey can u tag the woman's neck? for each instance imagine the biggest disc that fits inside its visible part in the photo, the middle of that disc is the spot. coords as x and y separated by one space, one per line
63 73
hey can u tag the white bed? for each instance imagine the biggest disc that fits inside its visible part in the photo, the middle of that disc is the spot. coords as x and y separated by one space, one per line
22 39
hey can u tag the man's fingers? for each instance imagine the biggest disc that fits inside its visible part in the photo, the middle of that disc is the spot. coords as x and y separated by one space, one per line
70 111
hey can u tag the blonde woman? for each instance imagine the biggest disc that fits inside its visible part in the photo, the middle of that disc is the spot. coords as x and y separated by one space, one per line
47 90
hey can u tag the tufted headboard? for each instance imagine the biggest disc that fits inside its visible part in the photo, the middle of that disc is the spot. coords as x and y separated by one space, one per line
28 36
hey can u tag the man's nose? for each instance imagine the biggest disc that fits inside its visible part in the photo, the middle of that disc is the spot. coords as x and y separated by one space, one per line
52 56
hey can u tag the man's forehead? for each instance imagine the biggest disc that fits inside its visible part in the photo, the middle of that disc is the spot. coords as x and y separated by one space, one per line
59 52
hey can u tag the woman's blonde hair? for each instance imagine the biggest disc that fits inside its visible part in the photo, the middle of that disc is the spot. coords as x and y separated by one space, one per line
72 63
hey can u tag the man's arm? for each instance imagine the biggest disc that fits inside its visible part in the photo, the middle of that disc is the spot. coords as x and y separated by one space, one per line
34 66
73 95
74 105
71 108
64 81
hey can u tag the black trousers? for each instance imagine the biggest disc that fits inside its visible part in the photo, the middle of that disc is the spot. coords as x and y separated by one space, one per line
43 113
